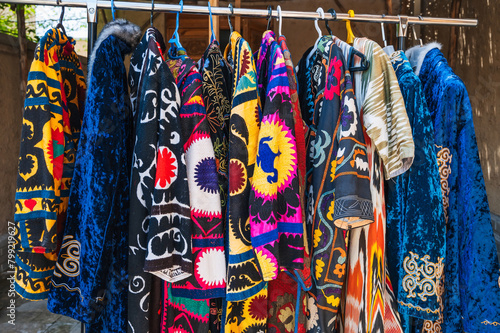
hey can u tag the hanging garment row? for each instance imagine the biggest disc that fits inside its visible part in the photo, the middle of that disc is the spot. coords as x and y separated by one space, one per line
241 194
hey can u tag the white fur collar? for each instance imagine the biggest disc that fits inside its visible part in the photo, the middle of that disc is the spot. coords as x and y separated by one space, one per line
123 29
417 54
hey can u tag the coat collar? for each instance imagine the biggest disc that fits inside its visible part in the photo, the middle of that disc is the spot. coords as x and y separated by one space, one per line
417 54
128 33
400 63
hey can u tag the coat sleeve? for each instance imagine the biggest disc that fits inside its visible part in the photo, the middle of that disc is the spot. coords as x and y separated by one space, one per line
41 158
384 116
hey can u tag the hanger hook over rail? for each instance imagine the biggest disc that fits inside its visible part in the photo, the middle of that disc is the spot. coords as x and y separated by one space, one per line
269 16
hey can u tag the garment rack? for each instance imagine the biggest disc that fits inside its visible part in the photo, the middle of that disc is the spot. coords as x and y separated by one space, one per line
92 5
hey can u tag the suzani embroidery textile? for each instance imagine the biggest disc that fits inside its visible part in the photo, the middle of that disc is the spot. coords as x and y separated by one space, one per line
246 296
206 228
159 204
52 115
337 168
275 208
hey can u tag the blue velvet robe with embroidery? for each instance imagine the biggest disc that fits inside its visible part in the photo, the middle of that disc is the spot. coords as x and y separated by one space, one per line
90 280
472 292
416 229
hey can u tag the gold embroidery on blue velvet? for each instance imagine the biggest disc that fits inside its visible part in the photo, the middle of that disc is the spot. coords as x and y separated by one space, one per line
421 275
418 307
490 323
70 252
444 157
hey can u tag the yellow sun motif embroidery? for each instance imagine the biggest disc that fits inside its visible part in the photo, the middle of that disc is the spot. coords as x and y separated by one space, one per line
268 267
276 158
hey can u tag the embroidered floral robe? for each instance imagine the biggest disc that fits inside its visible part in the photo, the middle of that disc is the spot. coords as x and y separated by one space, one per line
186 303
159 188
246 298
52 116
337 170
287 302
275 208
217 92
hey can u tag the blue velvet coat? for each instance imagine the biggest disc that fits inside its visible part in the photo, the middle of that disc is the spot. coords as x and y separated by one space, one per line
471 290
90 279
416 230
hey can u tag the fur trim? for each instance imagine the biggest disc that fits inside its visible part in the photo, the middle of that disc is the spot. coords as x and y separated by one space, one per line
121 28
417 54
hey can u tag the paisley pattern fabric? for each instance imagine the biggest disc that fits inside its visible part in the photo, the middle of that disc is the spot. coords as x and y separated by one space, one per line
159 192
381 103
246 297
337 169
471 293
90 277
275 208
52 115
207 237
416 230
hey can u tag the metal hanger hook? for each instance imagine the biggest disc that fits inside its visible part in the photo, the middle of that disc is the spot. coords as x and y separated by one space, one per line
269 16
321 13
334 15
113 9
280 19
152 11
212 36
383 33
229 17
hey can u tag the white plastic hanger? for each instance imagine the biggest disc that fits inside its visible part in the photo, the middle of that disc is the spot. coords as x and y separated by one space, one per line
321 13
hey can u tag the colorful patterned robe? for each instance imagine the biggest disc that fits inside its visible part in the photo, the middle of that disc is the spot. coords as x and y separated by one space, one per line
287 302
159 188
275 209
217 91
471 293
337 169
416 230
209 263
90 278
370 303
52 115
246 298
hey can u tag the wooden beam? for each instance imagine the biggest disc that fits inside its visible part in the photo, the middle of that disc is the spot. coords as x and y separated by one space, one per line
237 26
452 53
215 18
23 53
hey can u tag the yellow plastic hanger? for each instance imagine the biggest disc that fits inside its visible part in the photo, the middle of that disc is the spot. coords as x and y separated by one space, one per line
350 35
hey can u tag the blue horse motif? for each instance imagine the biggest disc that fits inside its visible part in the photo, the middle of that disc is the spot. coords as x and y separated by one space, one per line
266 158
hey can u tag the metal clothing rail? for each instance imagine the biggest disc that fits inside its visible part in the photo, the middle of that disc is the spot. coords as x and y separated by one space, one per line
93 5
